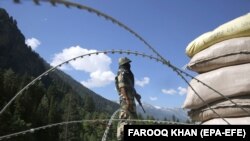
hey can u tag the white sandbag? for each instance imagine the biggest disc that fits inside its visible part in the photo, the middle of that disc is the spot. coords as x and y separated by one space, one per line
223 108
226 53
229 81
232 121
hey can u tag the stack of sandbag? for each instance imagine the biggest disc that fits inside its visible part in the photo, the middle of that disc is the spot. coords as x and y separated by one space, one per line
222 59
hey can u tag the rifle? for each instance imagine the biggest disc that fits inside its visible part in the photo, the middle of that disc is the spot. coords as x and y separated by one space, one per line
138 98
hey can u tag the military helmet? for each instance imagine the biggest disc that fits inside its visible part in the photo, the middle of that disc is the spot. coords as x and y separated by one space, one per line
123 61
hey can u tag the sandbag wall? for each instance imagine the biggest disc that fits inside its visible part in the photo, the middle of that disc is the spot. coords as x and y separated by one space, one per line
222 59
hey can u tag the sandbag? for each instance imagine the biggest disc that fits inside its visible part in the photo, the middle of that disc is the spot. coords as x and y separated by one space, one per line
232 121
229 81
226 53
224 108
239 27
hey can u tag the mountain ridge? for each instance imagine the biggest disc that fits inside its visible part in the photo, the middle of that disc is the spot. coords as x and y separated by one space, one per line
163 113
17 50
55 98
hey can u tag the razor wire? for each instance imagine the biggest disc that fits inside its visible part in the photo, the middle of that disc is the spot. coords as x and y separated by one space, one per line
69 4
105 134
136 53
208 105
32 130
66 62
163 60
106 52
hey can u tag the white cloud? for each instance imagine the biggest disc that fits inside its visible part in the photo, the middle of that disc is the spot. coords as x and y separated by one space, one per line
88 63
98 66
153 98
157 107
99 79
142 82
33 43
169 91
182 90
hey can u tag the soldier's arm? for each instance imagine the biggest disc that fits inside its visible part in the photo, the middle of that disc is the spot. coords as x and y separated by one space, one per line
122 88
124 93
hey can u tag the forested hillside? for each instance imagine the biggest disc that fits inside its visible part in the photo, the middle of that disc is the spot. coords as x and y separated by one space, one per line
55 98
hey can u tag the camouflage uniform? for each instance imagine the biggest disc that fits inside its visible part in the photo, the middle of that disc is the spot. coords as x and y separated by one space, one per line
125 81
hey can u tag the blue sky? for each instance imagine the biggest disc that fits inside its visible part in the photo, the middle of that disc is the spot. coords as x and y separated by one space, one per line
59 33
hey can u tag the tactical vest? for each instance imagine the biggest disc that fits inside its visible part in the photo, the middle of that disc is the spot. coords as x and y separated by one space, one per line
125 78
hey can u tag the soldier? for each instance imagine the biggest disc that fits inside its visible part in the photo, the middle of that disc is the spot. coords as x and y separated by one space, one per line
125 87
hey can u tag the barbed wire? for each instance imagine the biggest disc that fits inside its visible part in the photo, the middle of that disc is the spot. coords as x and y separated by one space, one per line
109 18
69 4
105 134
159 58
208 105
32 130
106 52
217 92
136 53
66 62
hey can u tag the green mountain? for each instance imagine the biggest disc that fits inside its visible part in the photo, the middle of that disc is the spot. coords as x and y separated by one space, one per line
55 98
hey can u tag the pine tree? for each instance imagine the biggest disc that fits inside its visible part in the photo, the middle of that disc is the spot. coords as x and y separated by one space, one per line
54 113
9 83
89 104
43 110
2 94
71 112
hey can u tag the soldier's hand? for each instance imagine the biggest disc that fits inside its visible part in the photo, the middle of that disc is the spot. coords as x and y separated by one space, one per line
129 106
